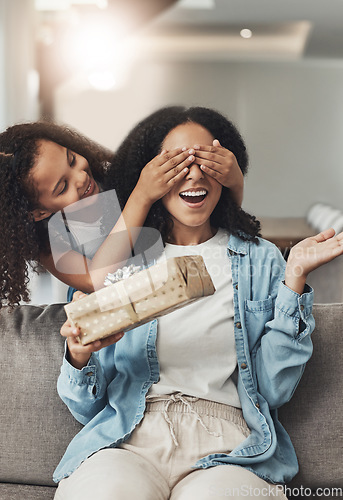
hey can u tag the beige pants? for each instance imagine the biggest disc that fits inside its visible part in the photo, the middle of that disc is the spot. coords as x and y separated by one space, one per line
156 462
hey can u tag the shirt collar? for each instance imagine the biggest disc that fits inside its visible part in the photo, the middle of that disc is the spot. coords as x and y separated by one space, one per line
237 245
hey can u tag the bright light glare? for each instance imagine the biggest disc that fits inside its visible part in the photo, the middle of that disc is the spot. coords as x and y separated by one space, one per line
103 81
246 33
93 47
102 4
49 5
196 4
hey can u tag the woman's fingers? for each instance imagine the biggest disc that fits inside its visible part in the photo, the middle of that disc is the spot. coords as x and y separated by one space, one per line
78 295
324 235
112 339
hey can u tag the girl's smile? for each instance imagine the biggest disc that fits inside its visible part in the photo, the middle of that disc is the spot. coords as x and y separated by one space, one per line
191 202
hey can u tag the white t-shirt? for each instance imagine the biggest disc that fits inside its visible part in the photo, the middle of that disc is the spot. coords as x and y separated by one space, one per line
195 344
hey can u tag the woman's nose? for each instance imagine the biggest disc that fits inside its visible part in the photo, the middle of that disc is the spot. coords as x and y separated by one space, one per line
195 173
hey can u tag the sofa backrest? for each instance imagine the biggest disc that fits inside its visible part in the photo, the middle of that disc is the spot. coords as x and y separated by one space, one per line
36 427
313 417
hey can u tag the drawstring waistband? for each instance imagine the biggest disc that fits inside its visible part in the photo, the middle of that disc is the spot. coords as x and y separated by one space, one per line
168 399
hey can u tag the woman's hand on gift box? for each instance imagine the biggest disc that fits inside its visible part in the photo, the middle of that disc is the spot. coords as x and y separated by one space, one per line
77 354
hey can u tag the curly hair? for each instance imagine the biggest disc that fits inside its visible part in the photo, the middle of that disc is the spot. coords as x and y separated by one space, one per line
23 240
144 142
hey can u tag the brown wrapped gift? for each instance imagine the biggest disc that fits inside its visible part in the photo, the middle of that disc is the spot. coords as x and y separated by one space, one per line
140 298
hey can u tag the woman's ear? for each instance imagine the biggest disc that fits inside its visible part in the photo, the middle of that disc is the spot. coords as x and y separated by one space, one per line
39 214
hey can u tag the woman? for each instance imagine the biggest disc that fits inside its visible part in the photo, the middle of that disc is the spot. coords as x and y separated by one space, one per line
186 407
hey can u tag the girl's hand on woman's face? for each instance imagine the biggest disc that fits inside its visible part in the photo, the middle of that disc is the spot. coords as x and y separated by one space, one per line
222 165
162 172
310 254
78 355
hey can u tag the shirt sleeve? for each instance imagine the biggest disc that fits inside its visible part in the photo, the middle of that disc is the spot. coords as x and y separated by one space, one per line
83 391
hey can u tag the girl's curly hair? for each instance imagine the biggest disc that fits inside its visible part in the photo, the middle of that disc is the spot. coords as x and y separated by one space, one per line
145 142
23 240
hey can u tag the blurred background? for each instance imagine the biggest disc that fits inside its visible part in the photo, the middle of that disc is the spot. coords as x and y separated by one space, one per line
275 68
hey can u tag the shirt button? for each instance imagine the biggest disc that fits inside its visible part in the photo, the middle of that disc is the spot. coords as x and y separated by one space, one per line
302 307
89 374
236 287
257 405
243 366
238 325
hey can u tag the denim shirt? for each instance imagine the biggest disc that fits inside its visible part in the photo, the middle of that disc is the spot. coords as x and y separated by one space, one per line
272 327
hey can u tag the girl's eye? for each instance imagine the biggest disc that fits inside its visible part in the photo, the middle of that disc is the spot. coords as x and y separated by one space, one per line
73 159
64 188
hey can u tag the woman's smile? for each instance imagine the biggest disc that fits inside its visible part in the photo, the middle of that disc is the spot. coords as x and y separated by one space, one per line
194 198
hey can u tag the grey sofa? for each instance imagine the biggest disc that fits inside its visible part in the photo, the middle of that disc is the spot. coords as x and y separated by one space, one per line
36 427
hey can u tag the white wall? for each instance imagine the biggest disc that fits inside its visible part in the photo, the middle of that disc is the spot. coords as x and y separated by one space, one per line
290 115
18 81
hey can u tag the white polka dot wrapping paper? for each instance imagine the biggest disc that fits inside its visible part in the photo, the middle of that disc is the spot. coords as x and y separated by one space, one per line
140 298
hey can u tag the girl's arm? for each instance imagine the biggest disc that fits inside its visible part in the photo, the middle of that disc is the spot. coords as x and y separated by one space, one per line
286 345
156 179
222 165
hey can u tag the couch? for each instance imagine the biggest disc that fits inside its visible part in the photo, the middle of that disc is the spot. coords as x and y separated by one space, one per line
36 427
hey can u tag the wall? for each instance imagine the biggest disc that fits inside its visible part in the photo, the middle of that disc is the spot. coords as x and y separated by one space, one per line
289 113
19 83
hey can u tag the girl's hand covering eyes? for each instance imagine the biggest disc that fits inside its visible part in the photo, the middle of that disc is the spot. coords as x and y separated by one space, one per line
162 172
222 165
78 355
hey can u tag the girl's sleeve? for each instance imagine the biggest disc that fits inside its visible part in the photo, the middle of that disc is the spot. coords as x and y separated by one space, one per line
84 391
286 345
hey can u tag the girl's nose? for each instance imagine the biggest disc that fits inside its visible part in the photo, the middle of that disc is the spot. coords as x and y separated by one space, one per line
80 179
195 173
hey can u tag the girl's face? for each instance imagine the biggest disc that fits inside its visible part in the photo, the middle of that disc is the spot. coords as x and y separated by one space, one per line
60 177
192 201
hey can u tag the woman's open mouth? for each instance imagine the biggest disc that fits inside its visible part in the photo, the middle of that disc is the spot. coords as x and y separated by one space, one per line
194 197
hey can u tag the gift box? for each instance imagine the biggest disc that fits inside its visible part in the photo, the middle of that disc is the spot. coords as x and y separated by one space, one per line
140 298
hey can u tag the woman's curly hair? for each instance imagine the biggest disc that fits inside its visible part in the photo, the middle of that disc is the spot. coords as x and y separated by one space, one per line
23 240
145 142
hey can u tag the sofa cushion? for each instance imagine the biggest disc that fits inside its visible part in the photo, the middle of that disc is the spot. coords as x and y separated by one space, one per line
26 492
313 417
36 426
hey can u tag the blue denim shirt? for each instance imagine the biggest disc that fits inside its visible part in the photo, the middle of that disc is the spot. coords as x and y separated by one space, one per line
272 326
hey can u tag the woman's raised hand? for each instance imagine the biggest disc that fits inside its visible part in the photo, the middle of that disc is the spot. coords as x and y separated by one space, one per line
78 355
162 172
222 165
309 254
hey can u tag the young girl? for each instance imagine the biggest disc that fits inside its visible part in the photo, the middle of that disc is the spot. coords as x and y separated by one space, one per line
43 169
185 407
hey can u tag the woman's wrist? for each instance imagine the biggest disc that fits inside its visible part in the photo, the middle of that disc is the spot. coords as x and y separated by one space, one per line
295 276
296 283
78 361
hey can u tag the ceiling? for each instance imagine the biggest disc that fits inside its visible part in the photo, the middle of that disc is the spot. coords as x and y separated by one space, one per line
284 28
186 29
